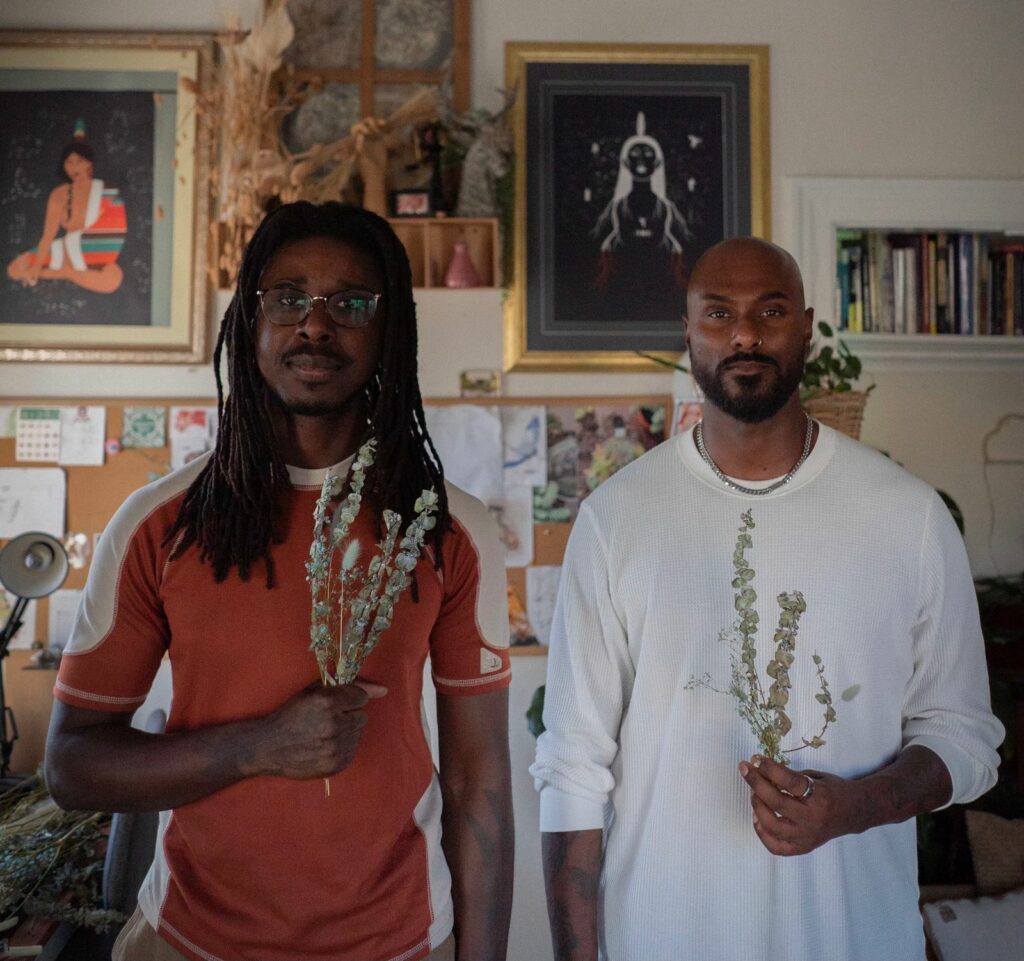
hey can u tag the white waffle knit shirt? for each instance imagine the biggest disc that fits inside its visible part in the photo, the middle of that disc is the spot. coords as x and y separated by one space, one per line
646 591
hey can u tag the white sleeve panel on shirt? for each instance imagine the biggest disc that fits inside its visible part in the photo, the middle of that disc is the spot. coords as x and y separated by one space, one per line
492 600
946 706
590 677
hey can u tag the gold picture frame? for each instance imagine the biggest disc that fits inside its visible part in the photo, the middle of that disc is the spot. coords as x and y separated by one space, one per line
585 294
124 277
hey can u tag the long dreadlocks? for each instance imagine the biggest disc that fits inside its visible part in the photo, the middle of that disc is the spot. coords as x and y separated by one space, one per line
232 509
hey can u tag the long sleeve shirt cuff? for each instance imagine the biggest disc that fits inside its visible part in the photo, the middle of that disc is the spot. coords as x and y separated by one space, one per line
568 812
961 767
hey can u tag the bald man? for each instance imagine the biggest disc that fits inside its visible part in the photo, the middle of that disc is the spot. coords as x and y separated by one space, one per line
666 837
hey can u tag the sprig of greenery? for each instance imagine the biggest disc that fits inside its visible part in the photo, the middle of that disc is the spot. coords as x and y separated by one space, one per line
350 610
765 712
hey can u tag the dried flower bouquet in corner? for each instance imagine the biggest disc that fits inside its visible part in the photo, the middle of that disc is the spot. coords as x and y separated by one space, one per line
353 606
765 711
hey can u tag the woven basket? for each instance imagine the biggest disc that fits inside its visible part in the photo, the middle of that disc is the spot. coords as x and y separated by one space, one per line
843 411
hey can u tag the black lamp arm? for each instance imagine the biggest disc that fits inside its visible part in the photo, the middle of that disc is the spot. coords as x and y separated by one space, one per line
12 625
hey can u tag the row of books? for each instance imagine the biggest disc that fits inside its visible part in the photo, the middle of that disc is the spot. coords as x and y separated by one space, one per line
933 282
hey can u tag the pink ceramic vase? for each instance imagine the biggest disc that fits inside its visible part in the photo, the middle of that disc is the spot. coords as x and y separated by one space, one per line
461 272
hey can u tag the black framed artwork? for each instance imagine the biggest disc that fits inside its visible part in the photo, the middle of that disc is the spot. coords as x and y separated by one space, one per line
631 161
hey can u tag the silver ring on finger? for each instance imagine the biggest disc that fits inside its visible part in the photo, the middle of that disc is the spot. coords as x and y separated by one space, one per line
809 790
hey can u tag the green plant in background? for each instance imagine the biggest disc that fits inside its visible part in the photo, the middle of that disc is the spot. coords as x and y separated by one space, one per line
535 712
765 711
830 369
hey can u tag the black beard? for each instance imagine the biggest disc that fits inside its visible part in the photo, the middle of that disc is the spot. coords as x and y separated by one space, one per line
750 405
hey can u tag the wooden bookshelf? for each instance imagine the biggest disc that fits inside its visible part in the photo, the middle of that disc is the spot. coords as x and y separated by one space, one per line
430 241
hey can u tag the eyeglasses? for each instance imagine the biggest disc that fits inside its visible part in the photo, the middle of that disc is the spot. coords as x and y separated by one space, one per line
289 306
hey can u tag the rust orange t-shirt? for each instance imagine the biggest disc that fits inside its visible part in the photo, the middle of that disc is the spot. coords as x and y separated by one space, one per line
269 868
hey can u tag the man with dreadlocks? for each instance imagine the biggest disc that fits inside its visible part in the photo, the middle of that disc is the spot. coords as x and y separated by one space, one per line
207 565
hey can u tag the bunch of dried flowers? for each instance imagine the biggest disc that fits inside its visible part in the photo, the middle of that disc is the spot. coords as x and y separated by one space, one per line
352 606
765 711
51 861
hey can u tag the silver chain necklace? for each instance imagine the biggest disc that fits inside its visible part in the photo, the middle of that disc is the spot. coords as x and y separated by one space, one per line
698 437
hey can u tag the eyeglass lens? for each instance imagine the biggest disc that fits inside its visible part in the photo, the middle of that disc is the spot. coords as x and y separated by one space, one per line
287 306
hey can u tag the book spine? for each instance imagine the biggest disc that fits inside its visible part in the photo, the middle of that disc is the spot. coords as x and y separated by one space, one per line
933 322
941 284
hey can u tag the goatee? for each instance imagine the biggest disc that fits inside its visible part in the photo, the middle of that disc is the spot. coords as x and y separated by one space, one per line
755 397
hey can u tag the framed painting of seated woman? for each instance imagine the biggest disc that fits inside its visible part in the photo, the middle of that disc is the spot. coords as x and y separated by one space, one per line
632 159
105 196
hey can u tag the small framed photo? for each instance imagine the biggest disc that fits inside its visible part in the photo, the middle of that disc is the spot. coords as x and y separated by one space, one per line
411 203
479 383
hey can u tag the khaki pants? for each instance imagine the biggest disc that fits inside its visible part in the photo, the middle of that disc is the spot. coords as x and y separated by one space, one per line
139 942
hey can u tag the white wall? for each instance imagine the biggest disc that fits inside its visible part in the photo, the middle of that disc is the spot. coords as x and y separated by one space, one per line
916 88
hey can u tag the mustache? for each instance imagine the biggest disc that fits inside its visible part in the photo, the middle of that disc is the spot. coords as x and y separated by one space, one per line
749 358
313 351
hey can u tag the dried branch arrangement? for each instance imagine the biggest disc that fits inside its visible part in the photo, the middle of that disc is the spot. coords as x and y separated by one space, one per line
765 711
245 110
51 861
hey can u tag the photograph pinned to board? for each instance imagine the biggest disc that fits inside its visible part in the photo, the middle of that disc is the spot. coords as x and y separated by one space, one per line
687 413
587 444
519 630
193 433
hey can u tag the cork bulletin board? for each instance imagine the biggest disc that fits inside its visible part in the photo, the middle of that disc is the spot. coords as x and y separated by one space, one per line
95 493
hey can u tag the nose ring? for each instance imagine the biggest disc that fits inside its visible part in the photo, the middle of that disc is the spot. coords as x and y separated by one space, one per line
760 341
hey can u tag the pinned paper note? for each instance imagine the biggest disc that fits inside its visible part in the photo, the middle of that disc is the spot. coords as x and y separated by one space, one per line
38 434
8 421
62 614
32 499
144 427
468 441
541 592
525 444
82 432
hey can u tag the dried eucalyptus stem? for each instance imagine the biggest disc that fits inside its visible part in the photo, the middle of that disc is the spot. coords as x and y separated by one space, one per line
348 617
765 712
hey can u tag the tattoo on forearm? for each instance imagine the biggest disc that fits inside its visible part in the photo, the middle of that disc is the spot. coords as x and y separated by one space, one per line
572 886
916 782
563 936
